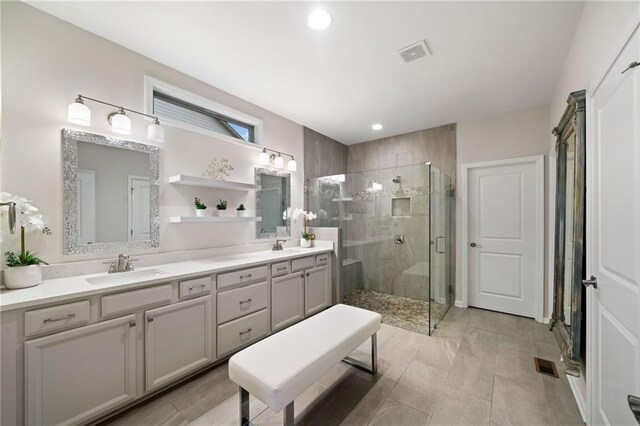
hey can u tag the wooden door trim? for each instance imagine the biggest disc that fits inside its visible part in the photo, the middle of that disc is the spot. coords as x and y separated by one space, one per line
538 161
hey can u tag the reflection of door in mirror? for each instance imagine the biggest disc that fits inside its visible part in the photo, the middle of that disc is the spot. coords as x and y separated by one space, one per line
121 194
568 251
272 203
139 208
86 206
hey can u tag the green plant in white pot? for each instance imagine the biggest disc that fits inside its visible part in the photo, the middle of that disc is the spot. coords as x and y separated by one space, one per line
23 268
296 215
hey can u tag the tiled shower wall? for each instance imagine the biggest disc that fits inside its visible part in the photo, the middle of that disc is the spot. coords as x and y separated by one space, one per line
323 156
381 265
385 265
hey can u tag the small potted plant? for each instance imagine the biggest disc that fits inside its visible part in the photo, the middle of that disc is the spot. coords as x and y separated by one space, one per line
297 214
241 210
222 209
23 268
200 208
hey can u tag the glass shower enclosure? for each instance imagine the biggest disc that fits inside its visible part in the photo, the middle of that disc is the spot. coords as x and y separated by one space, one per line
396 240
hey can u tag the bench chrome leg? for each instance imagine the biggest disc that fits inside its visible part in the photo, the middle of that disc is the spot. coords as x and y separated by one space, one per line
289 415
374 358
245 416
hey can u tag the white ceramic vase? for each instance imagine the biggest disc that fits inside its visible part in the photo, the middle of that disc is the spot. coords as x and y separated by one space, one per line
305 243
22 276
242 213
201 212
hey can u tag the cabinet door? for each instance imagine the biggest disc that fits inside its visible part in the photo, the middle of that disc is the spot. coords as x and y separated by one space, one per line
317 290
287 300
177 340
78 375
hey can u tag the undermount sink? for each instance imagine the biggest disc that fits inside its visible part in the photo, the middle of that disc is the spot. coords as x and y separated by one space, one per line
123 277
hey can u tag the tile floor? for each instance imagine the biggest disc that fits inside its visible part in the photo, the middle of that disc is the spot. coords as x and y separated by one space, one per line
476 369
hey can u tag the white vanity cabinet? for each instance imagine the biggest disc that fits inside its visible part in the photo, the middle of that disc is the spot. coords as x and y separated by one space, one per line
317 289
287 300
178 340
75 376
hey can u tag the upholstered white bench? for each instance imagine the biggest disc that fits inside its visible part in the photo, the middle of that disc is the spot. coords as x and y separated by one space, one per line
279 368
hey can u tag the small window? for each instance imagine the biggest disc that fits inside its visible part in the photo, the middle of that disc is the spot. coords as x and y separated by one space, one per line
169 107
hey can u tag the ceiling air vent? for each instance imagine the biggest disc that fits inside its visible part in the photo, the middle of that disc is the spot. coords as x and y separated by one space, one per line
414 51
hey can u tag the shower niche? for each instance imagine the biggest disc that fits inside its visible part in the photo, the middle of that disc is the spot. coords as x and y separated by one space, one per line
401 207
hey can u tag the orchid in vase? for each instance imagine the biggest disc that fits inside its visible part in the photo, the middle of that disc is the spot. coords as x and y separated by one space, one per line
23 268
296 215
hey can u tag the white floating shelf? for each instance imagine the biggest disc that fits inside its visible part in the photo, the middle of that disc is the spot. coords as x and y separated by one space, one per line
212 183
213 219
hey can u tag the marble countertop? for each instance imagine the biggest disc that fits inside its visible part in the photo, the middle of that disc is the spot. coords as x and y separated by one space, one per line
77 286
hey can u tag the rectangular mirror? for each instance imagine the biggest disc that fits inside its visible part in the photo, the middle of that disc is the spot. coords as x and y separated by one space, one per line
567 319
111 194
271 202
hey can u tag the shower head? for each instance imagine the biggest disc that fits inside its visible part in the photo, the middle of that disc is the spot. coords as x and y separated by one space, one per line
398 179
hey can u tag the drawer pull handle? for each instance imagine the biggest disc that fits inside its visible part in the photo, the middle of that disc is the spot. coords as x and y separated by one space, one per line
150 318
248 330
246 276
69 316
283 268
132 323
249 300
201 286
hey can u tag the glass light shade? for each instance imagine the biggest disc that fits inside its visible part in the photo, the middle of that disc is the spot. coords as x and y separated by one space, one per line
292 166
79 113
155 132
278 162
263 158
120 123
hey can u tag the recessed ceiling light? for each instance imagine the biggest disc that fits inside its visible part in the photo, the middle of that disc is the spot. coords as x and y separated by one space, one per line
376 126
319 19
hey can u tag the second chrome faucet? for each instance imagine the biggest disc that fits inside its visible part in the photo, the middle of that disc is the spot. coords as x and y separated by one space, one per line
122 264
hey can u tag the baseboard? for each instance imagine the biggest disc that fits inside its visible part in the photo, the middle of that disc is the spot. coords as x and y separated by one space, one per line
460 304
578 387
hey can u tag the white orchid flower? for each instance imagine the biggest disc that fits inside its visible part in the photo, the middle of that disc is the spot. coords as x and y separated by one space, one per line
33 222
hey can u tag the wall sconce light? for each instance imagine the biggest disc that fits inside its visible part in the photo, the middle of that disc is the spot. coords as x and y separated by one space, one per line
79 113
263 158
276 159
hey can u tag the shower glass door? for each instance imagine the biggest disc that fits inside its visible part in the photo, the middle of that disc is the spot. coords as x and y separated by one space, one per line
384 216
440 292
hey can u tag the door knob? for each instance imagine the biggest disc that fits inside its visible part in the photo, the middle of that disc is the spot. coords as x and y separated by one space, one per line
473 244
593 281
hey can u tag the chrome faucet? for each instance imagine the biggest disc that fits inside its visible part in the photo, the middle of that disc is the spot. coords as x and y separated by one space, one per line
277 246
121 264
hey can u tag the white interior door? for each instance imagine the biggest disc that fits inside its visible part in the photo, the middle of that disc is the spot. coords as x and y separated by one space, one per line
139 209
613 244
504 229
86 206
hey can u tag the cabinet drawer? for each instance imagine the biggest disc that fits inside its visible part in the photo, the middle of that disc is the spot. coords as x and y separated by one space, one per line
244 276
235 303
132 300
195 287
302 263
322 259
56 318
241 332
278 269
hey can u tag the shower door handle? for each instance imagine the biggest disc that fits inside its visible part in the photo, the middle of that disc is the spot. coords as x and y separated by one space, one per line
438 245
